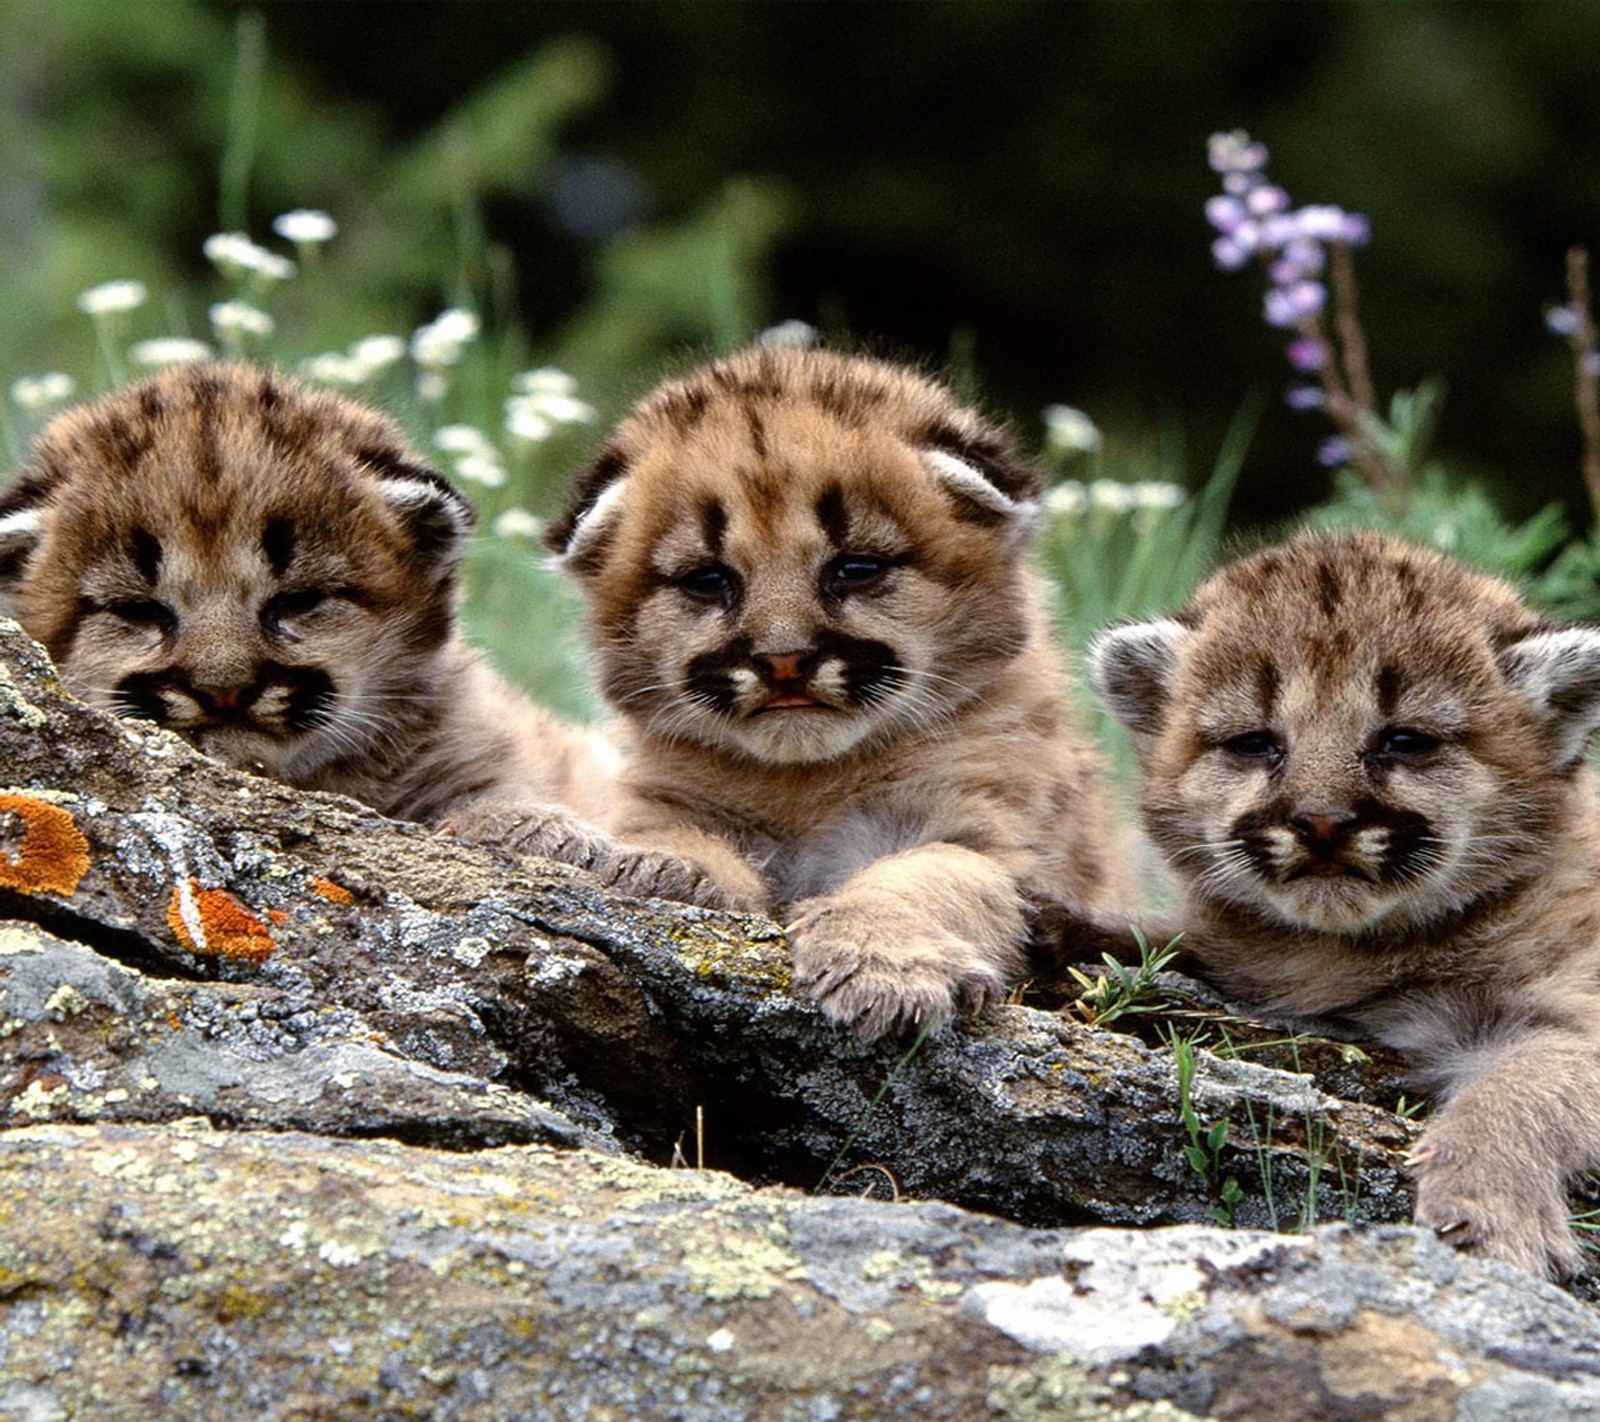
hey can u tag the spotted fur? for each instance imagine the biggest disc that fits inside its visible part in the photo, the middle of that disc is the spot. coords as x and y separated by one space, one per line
270 571
811 607
1366 765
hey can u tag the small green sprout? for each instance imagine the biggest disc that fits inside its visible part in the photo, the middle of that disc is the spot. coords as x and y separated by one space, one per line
1120 990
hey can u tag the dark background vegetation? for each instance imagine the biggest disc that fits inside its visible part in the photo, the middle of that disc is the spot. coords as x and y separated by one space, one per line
1026 176
1014 186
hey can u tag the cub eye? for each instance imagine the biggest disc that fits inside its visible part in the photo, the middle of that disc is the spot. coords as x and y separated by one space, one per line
1404 742
712 583
290 604
855 570
1255 745
148 613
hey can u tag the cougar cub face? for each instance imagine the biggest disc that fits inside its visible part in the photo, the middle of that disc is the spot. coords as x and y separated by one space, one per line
1351 735
253 564
793 554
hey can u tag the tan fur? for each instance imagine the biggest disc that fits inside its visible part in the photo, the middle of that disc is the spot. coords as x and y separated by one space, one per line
839 534
270 571
1365 763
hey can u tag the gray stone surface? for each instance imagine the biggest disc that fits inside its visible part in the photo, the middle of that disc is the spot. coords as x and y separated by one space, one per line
305 1114
183 1272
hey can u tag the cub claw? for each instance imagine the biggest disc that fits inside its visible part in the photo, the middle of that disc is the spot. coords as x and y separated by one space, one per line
865 975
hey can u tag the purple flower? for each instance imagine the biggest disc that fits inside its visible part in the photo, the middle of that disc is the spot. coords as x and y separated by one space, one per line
1230 254
1357 230
1307 355
1277 229
1303 397
1334 452
1560 320
1224 213
1305 255
1235 153
1266 199
1319 222
1289 305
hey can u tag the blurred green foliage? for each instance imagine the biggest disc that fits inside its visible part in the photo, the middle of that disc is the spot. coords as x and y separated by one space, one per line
1015 187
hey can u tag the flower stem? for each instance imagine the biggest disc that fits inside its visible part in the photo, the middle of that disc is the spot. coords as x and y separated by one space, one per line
244 107
1352 339
1586 392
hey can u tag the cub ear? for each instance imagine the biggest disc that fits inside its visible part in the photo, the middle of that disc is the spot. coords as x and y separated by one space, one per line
21 528
1133 668
981 467
962 480
1558 672
434 512
578 536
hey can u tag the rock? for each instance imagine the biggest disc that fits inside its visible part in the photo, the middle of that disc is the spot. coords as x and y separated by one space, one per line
182 1272
311 1114
280 960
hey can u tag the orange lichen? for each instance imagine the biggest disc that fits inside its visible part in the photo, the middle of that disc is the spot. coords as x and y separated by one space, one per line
333 893
226 928
277 916
51 857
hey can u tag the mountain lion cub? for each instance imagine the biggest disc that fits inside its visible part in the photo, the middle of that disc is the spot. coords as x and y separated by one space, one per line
1366 764
812 608
269 571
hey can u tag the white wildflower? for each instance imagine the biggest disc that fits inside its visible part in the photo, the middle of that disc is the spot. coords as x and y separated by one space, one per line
563 409
534 417
1157 494
235 255
1068 499
526 424
112 296
483 469
462 439
1070 431
1111 496
305 225
546 380
169 350
41 392
333 368
518 523
241 317
440 342
544 398
800 335
377 353
431 386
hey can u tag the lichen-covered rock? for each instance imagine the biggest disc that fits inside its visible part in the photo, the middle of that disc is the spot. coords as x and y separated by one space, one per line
186 1273
273 959
216 992
86 1039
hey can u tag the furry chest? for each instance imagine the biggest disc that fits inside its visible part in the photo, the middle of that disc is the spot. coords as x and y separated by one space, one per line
825 855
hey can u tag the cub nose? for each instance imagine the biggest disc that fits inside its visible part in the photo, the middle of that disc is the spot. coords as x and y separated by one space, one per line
779 667
220 696
1323 831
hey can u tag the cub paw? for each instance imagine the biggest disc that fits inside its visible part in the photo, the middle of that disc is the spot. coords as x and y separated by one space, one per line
550 832
1479 1211
656 874
883 974
545 831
